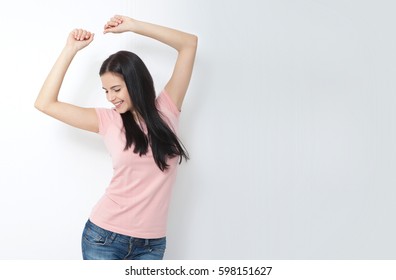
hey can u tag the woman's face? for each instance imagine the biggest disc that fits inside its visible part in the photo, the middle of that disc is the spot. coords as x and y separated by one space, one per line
116 91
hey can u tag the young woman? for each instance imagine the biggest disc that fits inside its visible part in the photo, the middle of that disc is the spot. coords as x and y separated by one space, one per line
140 132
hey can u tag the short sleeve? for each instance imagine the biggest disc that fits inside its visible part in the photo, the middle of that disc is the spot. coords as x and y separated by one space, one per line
168 110
105 117
165 101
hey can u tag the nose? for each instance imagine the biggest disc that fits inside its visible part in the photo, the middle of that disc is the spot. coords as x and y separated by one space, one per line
110 96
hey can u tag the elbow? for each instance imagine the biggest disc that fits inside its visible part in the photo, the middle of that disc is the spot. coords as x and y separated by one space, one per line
189 42
41 106
37 105
193 41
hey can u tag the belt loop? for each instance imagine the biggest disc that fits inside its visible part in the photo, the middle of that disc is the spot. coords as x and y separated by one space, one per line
113 236
146 242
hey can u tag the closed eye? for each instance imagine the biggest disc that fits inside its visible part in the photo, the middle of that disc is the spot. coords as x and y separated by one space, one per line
115 90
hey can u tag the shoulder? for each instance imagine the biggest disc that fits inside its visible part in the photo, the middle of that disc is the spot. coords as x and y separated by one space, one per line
106 117
166 105
107 113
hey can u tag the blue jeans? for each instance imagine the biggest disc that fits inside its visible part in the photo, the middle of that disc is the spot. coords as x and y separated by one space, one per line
100 244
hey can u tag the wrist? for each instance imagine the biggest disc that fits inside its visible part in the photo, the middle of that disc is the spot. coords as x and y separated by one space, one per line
70 50
132 24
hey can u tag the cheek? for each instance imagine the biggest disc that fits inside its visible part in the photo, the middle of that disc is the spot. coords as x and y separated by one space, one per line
127 98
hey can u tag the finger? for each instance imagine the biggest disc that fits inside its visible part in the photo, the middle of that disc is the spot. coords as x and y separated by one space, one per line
115 22
90 38
78 34
108 29
75 34
109 26
118 19
81 34
87 35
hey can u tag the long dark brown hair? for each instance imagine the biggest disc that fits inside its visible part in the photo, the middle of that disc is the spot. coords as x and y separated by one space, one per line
163 141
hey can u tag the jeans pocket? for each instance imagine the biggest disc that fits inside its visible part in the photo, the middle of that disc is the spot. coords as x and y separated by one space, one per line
158 247
95 235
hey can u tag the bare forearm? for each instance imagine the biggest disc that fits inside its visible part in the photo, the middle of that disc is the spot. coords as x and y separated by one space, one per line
77 40
50 90
184 43
174 38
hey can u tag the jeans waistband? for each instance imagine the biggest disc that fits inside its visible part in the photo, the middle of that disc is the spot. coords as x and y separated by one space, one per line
125 238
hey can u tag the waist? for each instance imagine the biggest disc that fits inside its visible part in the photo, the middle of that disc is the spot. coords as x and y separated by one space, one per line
122 238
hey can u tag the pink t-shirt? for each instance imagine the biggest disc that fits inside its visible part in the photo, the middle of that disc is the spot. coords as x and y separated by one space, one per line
136 201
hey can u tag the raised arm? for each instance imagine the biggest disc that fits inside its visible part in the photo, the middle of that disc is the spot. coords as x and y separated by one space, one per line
185 44
47 100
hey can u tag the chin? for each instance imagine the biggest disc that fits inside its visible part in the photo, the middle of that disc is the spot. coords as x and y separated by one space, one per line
122 109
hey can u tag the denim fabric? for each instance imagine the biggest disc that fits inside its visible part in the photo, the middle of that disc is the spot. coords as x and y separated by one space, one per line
100 244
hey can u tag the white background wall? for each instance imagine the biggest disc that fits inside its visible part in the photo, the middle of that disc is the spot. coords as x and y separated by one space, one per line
289 121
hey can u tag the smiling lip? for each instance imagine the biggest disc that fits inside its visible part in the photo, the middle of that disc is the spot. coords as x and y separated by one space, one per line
118 104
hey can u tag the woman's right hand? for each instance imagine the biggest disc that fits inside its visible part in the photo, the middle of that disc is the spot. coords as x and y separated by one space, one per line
79 39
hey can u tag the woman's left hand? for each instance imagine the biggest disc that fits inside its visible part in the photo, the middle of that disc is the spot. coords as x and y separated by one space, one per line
118 24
